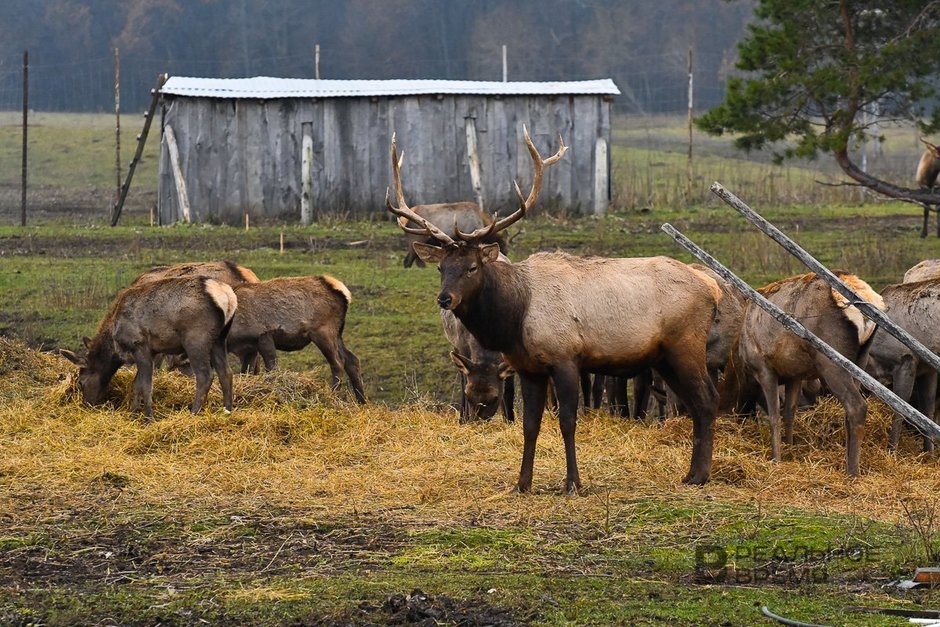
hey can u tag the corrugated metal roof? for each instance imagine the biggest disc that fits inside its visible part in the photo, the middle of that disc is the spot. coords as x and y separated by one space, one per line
266 87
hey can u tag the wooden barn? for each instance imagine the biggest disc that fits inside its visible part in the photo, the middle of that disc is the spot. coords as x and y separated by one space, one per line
254 146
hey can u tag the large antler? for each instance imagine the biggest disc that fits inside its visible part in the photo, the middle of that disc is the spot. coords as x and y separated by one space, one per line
404 213
526 203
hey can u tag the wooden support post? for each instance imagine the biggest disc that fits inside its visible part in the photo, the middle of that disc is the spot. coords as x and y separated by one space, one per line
473 157
505 65
794 249
24 169
181 194
306 174
141 141
923 424
316 55
688 167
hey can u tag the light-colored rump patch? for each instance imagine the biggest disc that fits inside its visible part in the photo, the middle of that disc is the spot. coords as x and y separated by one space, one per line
247 275
865 326
338 285
223 296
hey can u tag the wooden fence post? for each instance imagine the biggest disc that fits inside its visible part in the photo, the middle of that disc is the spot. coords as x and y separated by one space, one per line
181 194
25 135
306 174
923 424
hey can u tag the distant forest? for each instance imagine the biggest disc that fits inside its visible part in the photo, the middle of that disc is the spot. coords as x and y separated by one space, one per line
642 44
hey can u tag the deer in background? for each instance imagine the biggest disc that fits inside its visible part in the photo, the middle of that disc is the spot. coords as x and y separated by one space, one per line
554 315
927 170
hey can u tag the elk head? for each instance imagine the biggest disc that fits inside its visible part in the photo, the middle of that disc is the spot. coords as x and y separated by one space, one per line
929 166
484 388
92 376
460 261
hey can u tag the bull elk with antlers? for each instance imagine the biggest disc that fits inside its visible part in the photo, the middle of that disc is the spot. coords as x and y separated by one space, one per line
554 315
927 171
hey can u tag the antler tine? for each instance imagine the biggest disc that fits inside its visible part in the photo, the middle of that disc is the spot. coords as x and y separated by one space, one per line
924 140
404 213
525 203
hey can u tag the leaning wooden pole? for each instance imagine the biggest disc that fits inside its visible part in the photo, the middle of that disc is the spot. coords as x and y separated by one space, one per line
923 424
837 284
141 141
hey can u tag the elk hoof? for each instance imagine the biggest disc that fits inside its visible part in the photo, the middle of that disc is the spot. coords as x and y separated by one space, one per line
573 488
695 479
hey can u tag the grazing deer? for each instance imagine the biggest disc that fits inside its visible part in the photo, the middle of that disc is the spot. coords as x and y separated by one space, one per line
288 314
486 380
170 316
915 307
555 315
927 170
926 269
770 354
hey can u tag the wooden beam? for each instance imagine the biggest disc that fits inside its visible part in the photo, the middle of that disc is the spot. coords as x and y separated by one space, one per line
923 424
869 310
181 192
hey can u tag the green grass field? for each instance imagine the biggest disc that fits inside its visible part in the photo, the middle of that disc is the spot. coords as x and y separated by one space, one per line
301 508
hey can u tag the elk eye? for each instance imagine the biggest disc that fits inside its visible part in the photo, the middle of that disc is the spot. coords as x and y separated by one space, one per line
472 269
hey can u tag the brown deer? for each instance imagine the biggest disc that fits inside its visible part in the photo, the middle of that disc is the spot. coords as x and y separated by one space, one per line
927 170
926 269
554 315
455 216
227 272
224 271
289 313
770 354
486 380
177 315
915 307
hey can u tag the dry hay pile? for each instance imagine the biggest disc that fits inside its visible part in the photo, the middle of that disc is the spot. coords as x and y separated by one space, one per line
292 443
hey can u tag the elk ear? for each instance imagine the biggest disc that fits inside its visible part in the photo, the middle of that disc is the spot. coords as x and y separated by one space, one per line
505 371
931 148
428 253
489 253
86 341
72 357
463 364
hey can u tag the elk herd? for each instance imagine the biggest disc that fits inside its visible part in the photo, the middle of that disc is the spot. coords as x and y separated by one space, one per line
553 320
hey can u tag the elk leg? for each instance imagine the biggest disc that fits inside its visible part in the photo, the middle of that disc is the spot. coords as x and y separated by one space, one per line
790 398
220 364
586 388
143 384
249 362
268 353
642 388
565 378
769 385
926 392
903 380
687 376
923 231
534 393
464 403
353 372
203 374
618 402
844 388
509 398
597 391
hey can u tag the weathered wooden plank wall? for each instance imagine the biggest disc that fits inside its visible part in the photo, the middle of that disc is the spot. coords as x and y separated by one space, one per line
245 155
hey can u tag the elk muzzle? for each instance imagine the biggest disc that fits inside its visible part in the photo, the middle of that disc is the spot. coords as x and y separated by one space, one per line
448 300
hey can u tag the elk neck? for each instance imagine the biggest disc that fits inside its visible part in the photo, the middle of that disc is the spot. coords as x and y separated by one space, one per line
494 315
